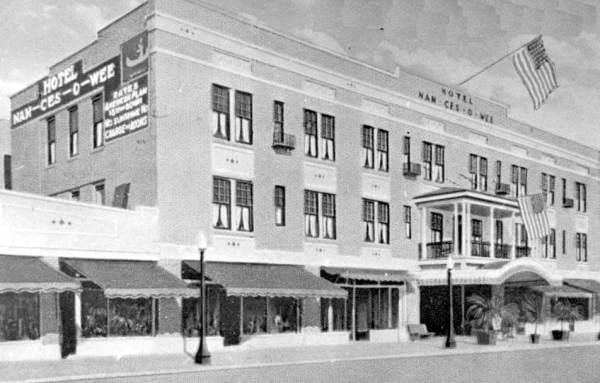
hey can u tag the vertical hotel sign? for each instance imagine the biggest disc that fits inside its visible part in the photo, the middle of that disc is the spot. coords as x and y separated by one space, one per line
123 79
126 108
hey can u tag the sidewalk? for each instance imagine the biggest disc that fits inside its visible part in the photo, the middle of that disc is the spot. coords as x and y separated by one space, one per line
79 367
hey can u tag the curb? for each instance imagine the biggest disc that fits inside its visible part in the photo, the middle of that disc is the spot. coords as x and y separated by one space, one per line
436 354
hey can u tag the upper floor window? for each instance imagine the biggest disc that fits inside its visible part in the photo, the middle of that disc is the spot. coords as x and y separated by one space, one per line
408 222
222 204
243 117
376 221
319 222
310 133
478 169
518 181
75 195
99 194
327 137
523 182
427 160
437 227
564 190
549 245
279 205
220 106
439 165
548 187
73 131
368 147
278 120
581 196
476 230
98 121
406 149
498 172
581 247
382 150
243 205
499 232
51 144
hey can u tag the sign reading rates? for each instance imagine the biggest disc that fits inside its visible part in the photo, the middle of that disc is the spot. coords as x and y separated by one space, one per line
126 109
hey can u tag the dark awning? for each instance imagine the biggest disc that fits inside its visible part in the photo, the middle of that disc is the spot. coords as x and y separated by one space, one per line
252 279
590 285
367 274
130 279
562 291
32 275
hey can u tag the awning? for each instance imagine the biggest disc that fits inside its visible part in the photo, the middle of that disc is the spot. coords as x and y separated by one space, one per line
267 280
32 275
562 291
130 279
367 274
590 285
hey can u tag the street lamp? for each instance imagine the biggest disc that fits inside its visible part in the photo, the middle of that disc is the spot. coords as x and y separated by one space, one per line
450 342
202 356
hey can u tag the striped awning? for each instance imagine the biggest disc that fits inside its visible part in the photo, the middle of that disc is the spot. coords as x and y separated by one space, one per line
31 275
591 285
129 279
363 274
267 280
563 291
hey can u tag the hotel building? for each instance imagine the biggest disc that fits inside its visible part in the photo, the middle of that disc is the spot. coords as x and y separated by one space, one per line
332 192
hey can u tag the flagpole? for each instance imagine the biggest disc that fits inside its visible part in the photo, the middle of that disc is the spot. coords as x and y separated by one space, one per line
495 62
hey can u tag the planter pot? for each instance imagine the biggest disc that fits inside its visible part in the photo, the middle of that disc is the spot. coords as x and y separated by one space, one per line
535 338
486 338
560 335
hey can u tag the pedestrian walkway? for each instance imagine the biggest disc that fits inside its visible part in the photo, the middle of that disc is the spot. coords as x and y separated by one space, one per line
74 367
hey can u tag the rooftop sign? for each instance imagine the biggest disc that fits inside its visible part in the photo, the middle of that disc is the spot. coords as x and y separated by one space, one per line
456 101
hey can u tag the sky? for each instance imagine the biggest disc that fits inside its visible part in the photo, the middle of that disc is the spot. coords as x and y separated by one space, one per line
445 40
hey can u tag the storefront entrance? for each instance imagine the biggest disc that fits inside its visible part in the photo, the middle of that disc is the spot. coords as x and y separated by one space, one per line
68 328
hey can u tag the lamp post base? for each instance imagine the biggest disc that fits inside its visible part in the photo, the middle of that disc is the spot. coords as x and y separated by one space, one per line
202 356
450 343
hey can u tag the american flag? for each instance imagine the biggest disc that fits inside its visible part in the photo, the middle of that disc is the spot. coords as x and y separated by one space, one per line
534 214
536 71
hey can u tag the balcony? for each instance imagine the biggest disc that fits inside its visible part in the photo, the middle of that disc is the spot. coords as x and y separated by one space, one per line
502 189
411 169
480 249
568 203
437 250
522 251
284 141
502 251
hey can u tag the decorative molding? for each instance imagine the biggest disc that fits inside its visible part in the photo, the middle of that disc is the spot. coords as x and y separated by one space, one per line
227 61
581 223
320 250
320 177
228 160
374 251
376 187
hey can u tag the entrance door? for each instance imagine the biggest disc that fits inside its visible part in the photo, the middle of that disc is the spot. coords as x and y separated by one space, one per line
363 305
68 327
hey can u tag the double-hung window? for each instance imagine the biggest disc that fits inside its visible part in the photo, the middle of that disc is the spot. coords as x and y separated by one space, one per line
483 171
548 187
406 150
243 117
581 247
478 169
407 222
311 214
368 220
437 227
51 145
376 219
523 182
279 205
368 146
427 160
552 244
278 121
473 171
99 194
73 131
310 133
518 181
220 106
438 168
221 203
581 194
382 150
327 137
383 222
98 121
243 205
498 173
328 219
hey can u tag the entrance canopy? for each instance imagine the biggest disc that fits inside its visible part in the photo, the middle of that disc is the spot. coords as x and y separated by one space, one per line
31 275
366 274
589 285
129 279
266 280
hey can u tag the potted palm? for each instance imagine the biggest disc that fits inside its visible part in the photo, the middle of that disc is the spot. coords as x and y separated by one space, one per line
532 308
565 311
487 316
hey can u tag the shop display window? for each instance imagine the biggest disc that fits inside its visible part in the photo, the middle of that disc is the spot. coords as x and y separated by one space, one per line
283 315
191 313
19 316
337 312
255 315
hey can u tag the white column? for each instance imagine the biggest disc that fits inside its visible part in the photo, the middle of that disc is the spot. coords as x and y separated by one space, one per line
330 316
464 229
492 233
513 249
467 233
78 313
455 239
424 233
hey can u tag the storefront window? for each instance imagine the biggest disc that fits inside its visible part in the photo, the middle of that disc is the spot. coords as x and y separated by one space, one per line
130 317
191 313
283 315
337 312
19 316
93 313
255 315
376 308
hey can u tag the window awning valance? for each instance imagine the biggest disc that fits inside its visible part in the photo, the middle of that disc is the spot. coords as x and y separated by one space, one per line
30 274
252 279
590 285
374 275
130 279
563 291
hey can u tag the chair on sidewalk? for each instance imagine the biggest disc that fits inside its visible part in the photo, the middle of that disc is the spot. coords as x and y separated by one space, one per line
418 331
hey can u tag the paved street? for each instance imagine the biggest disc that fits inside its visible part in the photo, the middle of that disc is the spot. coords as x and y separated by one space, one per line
423 361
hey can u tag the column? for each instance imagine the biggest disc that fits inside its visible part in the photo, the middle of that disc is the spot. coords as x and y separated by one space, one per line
455 239
467 231
78 313
464 229
492 233
513 249
424 233
330 315
353 319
